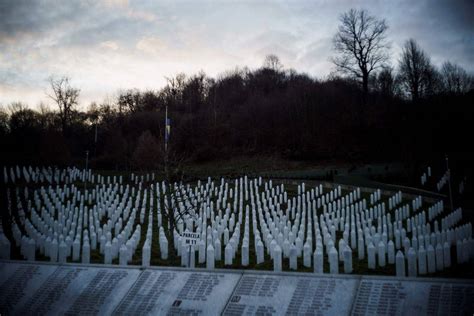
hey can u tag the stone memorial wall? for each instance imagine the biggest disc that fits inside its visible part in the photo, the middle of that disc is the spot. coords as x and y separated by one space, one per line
393 297
257 294
71 289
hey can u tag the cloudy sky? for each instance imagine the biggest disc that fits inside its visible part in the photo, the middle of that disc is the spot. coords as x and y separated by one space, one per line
119 44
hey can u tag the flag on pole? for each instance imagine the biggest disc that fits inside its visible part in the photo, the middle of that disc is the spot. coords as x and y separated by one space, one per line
167 129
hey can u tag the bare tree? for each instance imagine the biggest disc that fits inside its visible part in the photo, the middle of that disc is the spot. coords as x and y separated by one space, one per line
455 79
272 62
179 205
65 97
47 116
416 72
173 91
386 82
43 108
4 118
178 201
129 101
361 46
15 107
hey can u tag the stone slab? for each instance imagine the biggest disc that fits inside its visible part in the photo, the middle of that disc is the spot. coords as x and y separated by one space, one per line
70 290
392 297
18 283
178 293
74 289
258 294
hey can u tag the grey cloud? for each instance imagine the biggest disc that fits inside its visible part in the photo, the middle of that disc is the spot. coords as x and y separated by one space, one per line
40 37
451 35
80 22
459 13
116 29
25 16
443 29
281 43
313 51
18 16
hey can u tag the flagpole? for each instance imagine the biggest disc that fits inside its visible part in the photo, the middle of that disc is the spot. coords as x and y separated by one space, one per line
166 130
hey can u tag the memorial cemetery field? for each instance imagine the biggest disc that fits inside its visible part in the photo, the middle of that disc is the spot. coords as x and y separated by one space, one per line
77 215
236 157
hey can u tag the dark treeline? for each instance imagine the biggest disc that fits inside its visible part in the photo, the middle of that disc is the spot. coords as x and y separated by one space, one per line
265 111
412 113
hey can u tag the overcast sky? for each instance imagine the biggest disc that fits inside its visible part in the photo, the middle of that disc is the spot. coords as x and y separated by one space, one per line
119 44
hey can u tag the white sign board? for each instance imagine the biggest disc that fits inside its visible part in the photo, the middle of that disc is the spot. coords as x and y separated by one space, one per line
191 238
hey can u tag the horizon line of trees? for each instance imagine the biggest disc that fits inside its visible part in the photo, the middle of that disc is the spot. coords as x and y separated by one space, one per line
366 111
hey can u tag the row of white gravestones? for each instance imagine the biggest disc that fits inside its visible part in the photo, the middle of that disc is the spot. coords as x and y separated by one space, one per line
424 177
394 200
435 210
142 178
390 250
375 196
436 238
229 250
37 175
442 182
414 206
70 221
231 243
417 203
68 175
432 259
348 264
451 219
146 250
285 228
436 256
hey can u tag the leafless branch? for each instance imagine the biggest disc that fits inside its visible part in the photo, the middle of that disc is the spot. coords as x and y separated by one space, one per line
361 45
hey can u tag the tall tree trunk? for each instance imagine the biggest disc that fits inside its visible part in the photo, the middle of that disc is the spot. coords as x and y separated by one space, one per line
416 92
365 88
365 95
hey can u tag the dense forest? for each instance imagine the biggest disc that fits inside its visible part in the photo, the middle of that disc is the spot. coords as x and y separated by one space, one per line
409 112
265 111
